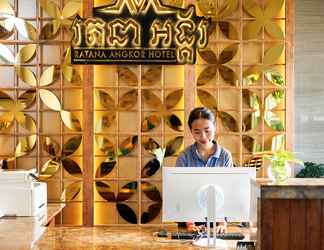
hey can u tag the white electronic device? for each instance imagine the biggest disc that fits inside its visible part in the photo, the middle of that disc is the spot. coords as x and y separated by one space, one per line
20 194
212 193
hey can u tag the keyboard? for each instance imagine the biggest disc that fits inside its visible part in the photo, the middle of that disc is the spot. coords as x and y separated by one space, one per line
222 236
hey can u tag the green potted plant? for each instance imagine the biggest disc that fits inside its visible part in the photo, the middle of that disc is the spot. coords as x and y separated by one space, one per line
279 170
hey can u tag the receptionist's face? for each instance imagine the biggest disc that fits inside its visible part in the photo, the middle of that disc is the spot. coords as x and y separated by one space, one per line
203 131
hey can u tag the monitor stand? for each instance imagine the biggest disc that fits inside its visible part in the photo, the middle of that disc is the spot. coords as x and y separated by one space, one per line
210 193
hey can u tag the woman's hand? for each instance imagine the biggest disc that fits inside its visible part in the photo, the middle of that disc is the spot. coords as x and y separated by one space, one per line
221 228
191 227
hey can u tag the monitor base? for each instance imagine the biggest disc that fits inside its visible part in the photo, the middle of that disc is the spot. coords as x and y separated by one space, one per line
203 242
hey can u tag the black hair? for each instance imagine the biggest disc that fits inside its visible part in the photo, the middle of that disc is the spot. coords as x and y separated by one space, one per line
201 112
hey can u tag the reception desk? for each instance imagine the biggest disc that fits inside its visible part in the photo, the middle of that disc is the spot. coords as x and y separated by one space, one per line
291 215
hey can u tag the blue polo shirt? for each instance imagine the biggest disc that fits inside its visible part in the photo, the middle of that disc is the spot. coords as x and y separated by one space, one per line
190 157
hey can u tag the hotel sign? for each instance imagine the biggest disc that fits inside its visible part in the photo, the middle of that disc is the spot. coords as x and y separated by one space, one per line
139 32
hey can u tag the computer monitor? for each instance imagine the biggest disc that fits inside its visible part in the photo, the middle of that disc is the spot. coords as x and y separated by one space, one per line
183 198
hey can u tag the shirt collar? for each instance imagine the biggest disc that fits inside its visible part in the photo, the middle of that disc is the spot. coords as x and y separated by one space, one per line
215 155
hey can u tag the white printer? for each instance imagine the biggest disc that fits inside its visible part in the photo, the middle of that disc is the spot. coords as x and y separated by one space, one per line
21 194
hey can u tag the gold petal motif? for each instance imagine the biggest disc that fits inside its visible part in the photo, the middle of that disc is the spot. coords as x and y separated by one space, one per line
49 76
173 98
251 121
273 121
4 32
128 145
70 120
105 121
251 30
228 75
71 75
159 154
50 100
31 31
6 55
51 146
105 99
273 7
152 212
173 146
26 75
150 144
6 120
229 30
228 53
152 75
250 144
71 191
207 99
51 8
150 122
208 55
274 30
174 122
71 145
252 8
128 100
50 30
274 77
276 143
105 145
25 145
25 29
26 54
126 75
105 191
127 213
206 75
228 121
127 191
251 99
5 101
27 122
67 57
251 75
27 99
274 99
228 8
49 169
72 167
208 7
150 168
211 28
273 53
151 191
152 99
71 8
105 168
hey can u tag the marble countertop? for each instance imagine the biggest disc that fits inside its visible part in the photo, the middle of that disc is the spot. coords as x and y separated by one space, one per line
23 232
294 188
116 238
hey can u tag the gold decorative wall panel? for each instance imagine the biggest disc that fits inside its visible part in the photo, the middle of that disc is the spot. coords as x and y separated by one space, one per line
41 98
139 112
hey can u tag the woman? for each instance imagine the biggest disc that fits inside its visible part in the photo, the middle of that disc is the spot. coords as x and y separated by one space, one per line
205 152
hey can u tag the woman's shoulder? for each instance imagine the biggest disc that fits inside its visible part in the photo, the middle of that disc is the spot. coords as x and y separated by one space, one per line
187 151
225 151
